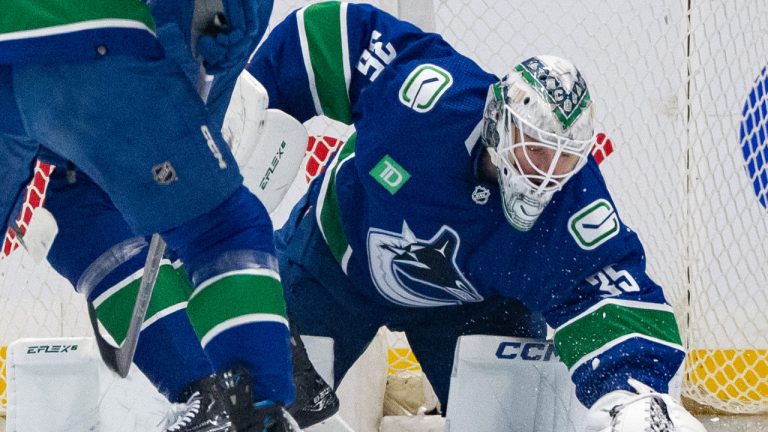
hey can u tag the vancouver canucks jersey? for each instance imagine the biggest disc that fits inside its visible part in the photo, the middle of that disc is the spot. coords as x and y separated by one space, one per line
409 221
42 31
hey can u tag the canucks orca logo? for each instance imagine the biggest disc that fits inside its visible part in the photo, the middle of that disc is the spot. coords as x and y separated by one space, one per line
412 272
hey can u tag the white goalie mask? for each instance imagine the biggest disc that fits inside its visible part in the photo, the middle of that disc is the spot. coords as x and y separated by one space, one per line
538 129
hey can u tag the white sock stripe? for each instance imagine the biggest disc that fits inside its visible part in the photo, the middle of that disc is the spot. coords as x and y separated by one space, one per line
122 284
249 271
345 49
163 313
241 320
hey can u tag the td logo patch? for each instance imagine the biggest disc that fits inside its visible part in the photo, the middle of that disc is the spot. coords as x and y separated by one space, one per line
390 174
424 87
594 224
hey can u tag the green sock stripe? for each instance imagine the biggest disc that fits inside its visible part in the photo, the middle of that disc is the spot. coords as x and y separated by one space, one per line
324 32
329 212
114 312
609 322
235 296
38 14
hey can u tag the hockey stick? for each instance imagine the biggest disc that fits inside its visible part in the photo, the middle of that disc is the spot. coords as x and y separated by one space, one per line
119 358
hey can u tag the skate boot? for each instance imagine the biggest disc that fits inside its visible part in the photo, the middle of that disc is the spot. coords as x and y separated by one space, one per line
235 386
204 411
315 399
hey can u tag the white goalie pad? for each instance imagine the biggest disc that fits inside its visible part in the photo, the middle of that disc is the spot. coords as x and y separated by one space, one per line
61 384
511 384
268 144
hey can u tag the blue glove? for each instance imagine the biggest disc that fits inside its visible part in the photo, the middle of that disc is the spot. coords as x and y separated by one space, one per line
229 43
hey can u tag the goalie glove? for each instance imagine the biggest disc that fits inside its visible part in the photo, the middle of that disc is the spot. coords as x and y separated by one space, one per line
644 411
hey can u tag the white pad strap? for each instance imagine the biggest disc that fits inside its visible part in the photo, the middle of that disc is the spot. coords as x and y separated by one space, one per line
40 234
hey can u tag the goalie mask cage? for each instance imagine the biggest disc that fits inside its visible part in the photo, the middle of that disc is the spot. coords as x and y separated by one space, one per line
680 89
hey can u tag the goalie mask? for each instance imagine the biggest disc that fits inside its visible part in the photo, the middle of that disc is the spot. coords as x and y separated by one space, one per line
537 127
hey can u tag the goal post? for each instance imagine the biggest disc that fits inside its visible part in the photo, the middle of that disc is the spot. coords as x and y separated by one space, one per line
681 93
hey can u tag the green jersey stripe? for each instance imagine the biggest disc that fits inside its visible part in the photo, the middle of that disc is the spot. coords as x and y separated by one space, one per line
625 303
39 14
324 30
619 341
233 297
238 321
609 322
328 212
116 304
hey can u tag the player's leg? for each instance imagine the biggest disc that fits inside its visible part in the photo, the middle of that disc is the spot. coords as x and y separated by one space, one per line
168 351
167 171
432 333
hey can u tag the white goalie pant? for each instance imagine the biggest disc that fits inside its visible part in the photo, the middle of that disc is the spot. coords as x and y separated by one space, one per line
511 384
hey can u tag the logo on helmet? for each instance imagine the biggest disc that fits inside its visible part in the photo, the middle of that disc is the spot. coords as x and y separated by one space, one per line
568 103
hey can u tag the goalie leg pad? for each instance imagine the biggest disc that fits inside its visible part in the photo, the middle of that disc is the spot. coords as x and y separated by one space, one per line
505 383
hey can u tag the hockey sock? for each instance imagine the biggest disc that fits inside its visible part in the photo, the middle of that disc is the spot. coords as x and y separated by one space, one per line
168 351
237 308
241 315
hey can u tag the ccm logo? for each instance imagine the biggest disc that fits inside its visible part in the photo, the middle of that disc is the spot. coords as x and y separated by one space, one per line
537 351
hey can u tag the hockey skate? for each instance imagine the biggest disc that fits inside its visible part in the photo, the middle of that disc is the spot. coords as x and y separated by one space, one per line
235 386
315 399
204 411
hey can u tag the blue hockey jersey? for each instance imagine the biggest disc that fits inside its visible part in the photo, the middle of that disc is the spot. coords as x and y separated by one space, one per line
407 218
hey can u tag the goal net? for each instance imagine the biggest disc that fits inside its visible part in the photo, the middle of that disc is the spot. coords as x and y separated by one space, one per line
680 89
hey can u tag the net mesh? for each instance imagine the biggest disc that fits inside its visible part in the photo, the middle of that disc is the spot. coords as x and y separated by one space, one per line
680 87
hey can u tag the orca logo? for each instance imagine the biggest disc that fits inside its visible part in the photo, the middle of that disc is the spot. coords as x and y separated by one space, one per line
423 273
